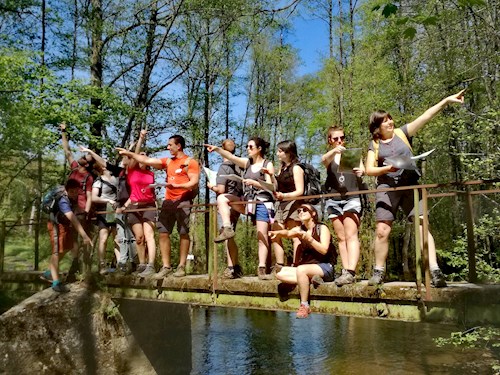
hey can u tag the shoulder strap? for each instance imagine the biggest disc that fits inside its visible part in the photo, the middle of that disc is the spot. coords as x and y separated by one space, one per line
397 132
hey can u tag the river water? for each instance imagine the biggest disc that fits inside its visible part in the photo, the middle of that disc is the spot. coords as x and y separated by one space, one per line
209 340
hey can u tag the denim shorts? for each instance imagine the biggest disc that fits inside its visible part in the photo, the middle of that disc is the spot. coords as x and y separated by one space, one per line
262 213
336 208
328 272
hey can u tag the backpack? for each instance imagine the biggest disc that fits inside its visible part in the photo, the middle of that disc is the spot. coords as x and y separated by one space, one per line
397 132
312 182
50 201
114 189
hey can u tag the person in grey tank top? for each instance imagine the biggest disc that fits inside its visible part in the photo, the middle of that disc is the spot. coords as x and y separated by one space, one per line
385 135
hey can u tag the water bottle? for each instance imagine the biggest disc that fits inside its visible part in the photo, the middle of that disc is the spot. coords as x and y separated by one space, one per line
110 213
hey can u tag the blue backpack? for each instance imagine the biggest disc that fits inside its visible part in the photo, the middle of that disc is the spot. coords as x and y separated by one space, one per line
51 199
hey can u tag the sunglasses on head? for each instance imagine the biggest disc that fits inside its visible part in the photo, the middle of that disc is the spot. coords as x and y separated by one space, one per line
337 139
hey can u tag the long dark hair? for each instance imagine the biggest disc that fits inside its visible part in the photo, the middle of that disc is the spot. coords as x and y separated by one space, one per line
289 148
376 119
259 142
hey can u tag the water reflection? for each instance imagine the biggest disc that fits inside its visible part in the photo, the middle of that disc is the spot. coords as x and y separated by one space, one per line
207 340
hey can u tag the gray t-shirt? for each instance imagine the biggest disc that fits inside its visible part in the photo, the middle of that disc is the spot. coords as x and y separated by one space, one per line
395 147
106 187
231 186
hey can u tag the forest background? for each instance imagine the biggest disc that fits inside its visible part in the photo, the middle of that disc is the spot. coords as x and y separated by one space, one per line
210 70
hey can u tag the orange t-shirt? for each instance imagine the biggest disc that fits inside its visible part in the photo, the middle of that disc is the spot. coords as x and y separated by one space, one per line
177 173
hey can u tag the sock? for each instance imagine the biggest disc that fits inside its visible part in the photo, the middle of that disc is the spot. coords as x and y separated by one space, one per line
351 272
230 267
55 282
434 267
47 274
306 304
380 268
227 225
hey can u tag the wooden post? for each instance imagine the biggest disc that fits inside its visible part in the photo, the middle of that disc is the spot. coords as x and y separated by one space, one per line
416 221
215 249
3 233
210 241
425 245
471 244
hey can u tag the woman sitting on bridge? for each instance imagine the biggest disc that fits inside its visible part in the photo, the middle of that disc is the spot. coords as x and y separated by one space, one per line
389 142
315 255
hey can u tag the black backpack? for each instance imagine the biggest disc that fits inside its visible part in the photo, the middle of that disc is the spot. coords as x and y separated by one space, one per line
312 182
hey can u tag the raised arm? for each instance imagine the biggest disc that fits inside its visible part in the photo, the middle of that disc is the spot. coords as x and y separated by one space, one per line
239 161
97 158
65 143
144 159
416 125
140 141
327 158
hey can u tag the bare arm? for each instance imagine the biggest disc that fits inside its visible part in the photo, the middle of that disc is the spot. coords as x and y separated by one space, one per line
76 224
97 199
194 179
140 141
323 244
65 143
371 170
239 161
416 125
96 157
218 189
144 159
327 158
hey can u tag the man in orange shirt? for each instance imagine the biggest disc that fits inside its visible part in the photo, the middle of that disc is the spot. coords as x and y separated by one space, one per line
183 176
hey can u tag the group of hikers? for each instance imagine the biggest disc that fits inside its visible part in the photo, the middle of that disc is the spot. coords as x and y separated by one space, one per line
248 185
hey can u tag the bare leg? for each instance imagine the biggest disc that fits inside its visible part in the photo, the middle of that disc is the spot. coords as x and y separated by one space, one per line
232 252
263 238
432 248
304 274
165 249
383 231
103 239
149 235
288 275
351 225
184 249
338 227
139 242
279 253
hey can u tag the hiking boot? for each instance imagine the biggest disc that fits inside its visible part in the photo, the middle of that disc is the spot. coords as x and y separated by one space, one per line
122 267
317 280
276 269
140 268
148 271
303 311
46 276
238 272
345 279
227 233
377 278
162 273
438 280
60 288
262 275
180 271
228 273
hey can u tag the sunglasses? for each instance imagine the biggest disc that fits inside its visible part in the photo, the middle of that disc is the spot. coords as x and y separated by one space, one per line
251 147
337 139
304 209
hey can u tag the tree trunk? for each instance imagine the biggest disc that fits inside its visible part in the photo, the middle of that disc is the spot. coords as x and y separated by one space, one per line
96 70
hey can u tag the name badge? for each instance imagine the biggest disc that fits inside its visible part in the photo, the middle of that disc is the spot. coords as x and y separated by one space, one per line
178 170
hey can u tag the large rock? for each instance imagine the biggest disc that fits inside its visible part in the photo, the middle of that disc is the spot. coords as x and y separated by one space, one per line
80 332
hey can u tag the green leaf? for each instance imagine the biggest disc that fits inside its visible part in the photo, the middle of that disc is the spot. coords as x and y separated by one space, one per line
410 33
389 10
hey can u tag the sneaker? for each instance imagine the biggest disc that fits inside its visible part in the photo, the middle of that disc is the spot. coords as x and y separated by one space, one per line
277 268
377 278
60 288
180 271
227 233
438 280
317 280
345 279
122 267
148 271
262 275
46 276
303 311
162 273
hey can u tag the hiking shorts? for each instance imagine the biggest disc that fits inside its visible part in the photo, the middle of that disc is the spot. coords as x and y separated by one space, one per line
140 217
173 212
338 208
66 236
287 211
388 202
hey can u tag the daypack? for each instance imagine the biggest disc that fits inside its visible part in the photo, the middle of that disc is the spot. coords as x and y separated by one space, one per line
114 189
312 182
397 132
50 201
